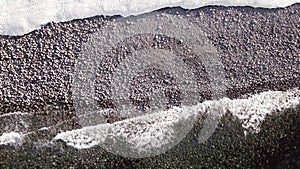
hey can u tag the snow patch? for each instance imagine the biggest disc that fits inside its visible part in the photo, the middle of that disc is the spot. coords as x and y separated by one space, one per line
22 16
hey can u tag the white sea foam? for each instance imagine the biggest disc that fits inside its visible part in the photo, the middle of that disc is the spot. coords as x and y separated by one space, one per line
143 133
14 114
253 110
11 138
22 16
155 130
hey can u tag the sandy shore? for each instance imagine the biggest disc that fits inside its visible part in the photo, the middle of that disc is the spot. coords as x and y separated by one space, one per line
259 49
